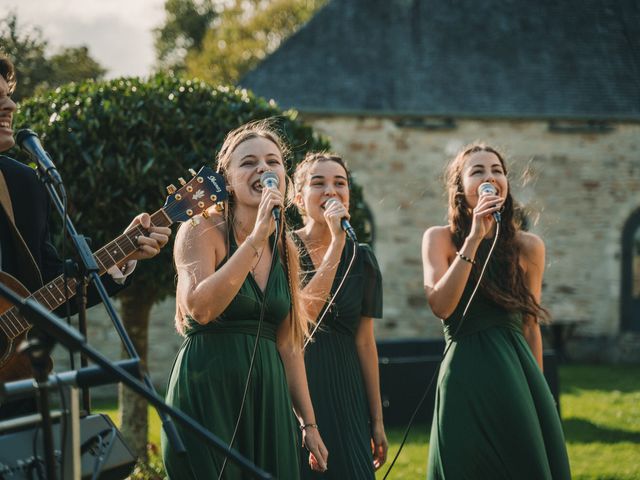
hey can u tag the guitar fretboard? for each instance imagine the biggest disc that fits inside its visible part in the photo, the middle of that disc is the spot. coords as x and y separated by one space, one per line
52 295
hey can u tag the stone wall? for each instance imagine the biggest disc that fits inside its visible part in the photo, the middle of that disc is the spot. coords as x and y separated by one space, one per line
581 189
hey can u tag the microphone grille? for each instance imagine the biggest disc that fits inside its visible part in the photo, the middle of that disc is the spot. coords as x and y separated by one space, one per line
487 188
270 179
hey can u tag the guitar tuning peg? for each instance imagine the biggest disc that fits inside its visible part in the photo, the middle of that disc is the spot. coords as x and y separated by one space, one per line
171 189
192 172
205 214
219 207
182 181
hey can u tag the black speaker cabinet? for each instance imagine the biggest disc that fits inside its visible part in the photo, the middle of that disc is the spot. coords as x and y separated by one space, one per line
407 367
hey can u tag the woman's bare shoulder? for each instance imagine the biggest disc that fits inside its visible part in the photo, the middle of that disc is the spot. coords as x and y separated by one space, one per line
531 246
202 231
438 235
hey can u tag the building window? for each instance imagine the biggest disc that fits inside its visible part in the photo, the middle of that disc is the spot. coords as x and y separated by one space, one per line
630 295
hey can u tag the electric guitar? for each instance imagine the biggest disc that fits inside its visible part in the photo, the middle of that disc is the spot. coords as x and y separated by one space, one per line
204 190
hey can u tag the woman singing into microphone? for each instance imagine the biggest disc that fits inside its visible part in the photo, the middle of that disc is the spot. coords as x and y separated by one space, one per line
342 360
494 414
225 278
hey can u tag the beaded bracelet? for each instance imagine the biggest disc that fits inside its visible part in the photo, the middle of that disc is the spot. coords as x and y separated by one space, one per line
466 259
312 425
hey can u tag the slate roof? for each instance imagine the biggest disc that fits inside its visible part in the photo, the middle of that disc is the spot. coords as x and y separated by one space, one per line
473 58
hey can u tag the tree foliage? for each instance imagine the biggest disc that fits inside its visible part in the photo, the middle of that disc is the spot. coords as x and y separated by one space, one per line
73 64
27 48
186 25
240 34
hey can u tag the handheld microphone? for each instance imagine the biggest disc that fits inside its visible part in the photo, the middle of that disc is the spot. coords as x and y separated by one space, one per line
487 188
344 223
271 180
29 142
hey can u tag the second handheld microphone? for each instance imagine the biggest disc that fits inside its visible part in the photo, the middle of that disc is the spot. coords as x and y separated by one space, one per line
344 223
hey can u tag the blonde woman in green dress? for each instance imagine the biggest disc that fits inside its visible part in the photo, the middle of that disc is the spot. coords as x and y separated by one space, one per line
224 265
494 415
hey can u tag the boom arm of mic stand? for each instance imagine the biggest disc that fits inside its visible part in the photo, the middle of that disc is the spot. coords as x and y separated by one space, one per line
70 338
90 266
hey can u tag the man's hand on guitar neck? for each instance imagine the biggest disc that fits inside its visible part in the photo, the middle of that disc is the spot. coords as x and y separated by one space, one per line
149 245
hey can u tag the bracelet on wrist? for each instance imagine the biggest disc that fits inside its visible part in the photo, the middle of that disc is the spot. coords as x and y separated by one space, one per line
255 250
466 259
309 425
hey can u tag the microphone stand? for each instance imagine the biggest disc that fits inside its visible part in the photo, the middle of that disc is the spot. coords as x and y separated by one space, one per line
54 328
89 269
38 347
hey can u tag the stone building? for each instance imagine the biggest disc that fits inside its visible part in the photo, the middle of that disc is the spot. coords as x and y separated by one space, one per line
399 86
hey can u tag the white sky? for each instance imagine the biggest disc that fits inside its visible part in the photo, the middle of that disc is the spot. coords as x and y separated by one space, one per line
117 32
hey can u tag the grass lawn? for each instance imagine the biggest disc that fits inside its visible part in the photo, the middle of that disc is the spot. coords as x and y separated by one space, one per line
601 416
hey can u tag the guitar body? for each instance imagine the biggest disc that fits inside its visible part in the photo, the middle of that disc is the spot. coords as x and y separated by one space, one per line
13 365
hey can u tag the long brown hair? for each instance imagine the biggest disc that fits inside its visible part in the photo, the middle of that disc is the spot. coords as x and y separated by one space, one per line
300 324
504 281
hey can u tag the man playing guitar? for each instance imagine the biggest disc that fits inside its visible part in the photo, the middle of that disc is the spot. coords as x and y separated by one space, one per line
26 251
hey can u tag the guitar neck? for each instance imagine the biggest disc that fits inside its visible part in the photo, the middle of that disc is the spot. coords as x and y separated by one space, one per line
52 294
125 245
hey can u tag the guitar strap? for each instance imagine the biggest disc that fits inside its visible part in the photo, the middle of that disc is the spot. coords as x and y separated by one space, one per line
28 269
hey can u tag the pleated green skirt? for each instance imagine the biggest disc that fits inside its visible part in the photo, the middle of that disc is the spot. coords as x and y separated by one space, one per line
340 404
207 382
495 417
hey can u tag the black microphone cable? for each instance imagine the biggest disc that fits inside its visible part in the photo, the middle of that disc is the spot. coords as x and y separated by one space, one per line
255 348
444 354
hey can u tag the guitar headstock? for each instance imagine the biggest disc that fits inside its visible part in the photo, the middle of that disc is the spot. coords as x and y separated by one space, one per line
194 197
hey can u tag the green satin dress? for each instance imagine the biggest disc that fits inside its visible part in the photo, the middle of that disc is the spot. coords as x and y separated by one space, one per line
207 381
333 368
494 416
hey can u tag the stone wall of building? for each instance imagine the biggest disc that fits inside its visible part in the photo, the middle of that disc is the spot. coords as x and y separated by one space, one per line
580 190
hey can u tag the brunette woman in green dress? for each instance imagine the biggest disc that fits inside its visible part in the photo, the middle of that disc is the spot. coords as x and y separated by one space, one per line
494 414
224 264
342 360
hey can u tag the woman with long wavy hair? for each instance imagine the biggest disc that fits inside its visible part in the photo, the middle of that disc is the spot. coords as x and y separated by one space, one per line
228 293
494 415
